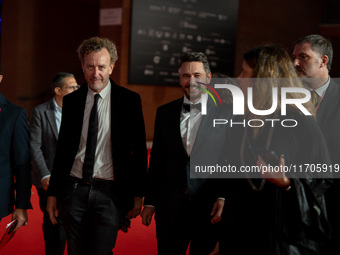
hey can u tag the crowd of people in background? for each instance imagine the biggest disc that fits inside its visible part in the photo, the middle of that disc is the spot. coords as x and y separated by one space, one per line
85 151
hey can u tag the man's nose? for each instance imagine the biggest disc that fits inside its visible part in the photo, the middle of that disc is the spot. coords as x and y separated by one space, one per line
193 80
96 72
296 62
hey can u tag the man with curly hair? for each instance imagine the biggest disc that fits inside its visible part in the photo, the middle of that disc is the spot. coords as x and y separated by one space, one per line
101 158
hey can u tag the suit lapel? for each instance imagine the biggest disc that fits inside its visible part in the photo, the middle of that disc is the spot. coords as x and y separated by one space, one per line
175 128
116 104
77 105
327 103
50 115
205 125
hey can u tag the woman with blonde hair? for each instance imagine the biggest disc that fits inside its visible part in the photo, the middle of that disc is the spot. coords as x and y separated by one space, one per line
276 205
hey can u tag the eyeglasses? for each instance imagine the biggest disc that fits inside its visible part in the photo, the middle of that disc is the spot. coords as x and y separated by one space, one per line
73 87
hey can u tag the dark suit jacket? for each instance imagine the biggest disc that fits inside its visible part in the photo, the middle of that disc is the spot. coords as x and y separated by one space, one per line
328 118
168 174
129 152
43 140
14 158
254 220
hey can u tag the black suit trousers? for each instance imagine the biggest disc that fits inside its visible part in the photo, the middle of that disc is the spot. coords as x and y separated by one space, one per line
193 226
91 219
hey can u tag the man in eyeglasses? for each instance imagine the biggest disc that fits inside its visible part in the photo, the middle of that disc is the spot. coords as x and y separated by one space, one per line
45 123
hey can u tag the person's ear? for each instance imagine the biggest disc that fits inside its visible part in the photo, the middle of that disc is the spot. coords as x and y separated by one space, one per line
324 61
1 76
57 91
112 65
209 78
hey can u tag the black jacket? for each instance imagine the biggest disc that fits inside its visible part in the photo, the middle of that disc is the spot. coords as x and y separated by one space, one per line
129 152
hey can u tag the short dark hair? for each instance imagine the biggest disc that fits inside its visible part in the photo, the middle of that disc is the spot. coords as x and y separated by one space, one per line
58 79
97 44
320 45
190 56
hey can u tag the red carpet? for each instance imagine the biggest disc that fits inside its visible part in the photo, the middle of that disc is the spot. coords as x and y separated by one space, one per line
139 240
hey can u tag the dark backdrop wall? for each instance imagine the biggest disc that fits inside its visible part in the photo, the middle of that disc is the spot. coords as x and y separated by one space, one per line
40 38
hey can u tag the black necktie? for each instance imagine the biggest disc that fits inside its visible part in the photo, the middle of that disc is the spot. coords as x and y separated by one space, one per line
187 107
91 143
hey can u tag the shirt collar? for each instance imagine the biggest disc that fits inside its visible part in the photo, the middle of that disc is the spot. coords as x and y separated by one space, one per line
102 93
320 91
57 108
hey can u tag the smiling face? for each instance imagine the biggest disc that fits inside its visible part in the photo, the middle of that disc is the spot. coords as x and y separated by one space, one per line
97 69
189 74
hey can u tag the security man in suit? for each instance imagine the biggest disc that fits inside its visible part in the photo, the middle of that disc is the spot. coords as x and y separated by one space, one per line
15 166
45 124
186 206
312 56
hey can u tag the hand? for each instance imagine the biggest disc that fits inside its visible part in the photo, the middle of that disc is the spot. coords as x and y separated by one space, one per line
52 210
133 213
217 211
21 216
216 250
147 214
276 177
45 183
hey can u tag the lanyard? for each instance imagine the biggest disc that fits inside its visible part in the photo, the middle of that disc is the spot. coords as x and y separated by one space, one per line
317 108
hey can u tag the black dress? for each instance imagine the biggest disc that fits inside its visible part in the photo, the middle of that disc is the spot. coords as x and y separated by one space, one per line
269 221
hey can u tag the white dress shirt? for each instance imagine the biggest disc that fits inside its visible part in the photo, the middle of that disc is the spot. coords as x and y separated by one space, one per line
103 164
190 123
57 114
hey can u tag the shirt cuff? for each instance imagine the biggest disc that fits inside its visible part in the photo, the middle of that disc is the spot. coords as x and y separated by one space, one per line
46 176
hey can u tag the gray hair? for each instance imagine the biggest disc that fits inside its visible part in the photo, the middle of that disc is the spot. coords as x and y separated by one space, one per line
320 45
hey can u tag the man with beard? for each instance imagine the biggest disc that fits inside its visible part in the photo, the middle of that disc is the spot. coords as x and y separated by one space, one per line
186 208
312 58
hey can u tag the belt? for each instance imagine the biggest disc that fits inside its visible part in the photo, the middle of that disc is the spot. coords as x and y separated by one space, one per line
95 182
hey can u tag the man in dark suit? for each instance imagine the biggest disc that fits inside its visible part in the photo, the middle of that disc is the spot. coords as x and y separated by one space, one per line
186 206
312 58
15 170
45 124
101 158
